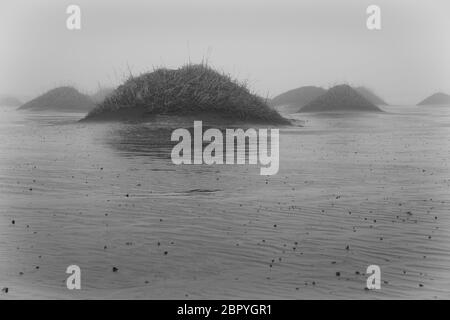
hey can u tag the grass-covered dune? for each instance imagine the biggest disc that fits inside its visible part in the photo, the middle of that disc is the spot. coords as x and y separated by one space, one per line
371 96
435 99
62 99
192 90
290 101
340 98
298 97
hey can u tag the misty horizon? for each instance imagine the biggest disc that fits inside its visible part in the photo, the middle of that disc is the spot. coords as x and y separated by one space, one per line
275 46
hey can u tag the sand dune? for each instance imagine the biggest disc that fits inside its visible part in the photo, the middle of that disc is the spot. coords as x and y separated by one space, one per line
340 98
371 96
190 90
61 99
292 100
435 99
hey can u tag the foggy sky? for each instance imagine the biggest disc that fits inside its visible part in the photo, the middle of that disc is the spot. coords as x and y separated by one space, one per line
276 45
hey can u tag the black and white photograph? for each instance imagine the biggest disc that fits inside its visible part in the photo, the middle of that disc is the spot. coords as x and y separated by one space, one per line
224 150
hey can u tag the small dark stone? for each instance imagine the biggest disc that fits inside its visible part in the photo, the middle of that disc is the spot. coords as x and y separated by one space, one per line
114 269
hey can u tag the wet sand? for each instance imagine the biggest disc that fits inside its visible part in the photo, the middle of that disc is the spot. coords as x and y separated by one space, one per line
352 191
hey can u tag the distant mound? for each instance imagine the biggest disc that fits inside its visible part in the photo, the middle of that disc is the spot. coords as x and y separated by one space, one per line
292 100
63 99
190 90
371 96
434 99
101 94
340 98
9 101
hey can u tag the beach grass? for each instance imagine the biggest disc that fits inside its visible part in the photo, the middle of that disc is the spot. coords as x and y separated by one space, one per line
193 89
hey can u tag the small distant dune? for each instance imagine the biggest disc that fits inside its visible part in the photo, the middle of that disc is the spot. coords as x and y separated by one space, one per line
292 100
62 99
371 96
192 90
10 101
340 98
438 98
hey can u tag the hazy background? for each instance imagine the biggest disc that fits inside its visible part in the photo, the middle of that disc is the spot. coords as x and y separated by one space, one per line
276 44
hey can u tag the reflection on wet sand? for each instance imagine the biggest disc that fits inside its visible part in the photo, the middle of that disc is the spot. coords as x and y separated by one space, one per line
153 139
